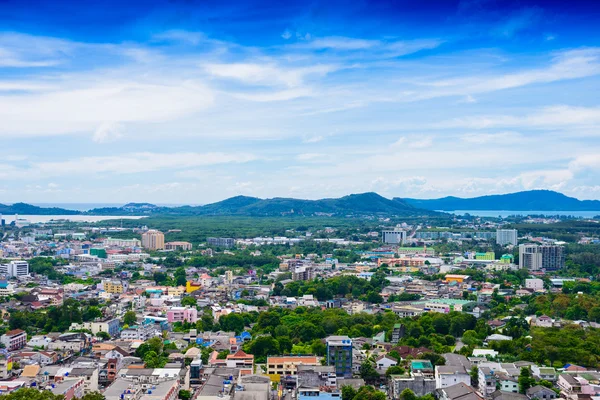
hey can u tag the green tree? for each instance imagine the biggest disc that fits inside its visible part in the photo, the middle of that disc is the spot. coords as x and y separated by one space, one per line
408 394
368 372
185 395
394 370
103 335
525 380
31 394
130 318
474 376
348 392
264 346
189 301
180 278
93 396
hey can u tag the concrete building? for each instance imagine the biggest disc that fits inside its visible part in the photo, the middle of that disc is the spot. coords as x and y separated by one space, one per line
240 360
530 257
303 273
6 366
140 332
536 257
15 269
6 288
449 375
339 354
289 365
396 236
221 242
174 246
110 326
122 242
14 340
506 237
534 284
153 240
114 287
181 314
487 381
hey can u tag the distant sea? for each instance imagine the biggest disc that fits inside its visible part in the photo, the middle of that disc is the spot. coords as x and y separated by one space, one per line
38 219
507 213
90 206
78 206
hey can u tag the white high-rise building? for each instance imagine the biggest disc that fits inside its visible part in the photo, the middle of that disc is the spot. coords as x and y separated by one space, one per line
506 236
397 236
15 269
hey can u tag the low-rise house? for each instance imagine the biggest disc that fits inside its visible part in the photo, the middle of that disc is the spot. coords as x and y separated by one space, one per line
384 362
507 383
449 375
43 357
500 395
546 373
240 360
541 393
460 391
14 340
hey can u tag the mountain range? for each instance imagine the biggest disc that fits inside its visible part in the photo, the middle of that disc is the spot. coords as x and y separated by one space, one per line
532 200
354 204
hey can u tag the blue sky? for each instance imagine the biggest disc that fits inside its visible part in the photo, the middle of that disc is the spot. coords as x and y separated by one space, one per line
196 101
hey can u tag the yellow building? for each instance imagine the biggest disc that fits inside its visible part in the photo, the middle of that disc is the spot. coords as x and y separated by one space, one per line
191 286
113 287
288 365
176 290
487 256
153 240
507 259
456 278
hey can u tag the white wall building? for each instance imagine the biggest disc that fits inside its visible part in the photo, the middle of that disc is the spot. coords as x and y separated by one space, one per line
506 236
396 236
534 284
15 269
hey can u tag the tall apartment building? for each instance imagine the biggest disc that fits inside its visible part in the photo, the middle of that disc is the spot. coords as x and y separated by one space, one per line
220 242
339 354
153 240
303 273
536 257
506 236
15 269
396 236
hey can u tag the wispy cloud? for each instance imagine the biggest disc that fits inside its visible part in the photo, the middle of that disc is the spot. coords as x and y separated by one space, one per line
126 164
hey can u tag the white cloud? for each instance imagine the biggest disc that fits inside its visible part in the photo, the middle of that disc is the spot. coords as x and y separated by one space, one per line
414 142
309 156
508 138
83 105
342 43
313 139
286 34
267 74
26 51
132 163
108 132
547 117
565 65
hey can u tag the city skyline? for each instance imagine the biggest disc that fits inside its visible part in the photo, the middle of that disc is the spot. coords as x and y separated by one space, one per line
195 102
